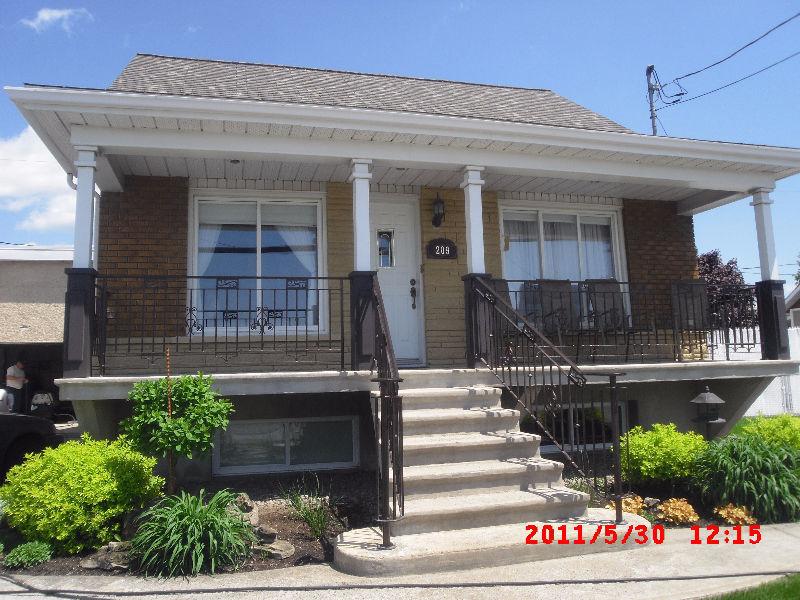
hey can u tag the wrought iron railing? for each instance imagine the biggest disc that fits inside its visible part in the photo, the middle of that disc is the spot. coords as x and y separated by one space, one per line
389 430
579 420
297 319
607 321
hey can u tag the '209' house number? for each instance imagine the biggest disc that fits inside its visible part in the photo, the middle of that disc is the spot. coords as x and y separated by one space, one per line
442 248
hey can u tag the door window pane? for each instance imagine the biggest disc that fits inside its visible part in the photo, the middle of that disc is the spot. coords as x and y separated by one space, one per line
252 443
561 259
385 249
317 442
597 247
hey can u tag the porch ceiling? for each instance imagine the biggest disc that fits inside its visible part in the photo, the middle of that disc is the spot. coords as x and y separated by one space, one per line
196 137
389 175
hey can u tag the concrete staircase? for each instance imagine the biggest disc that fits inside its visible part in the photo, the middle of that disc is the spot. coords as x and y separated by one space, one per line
472 483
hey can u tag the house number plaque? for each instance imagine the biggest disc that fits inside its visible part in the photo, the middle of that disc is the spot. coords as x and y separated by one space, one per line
442 249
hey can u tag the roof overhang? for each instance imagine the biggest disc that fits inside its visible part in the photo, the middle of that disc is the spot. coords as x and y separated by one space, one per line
711 173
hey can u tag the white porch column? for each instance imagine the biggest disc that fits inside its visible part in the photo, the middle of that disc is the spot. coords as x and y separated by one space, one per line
96 232
762 204
359 177
473 209
84 206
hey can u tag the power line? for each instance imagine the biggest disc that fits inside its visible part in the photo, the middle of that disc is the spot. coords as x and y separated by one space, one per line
727 85
735 52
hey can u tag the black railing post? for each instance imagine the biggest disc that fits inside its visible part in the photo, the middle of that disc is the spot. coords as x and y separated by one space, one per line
362 322
615 426
79 322
471 319
772 320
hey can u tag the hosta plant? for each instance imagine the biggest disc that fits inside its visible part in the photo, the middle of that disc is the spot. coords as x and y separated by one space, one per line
185 535
677 511
734 515
748 471
28 555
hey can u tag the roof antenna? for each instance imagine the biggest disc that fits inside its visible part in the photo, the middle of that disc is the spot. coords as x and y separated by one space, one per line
651 89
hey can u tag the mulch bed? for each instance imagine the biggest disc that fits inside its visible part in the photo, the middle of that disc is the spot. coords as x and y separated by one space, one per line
352 496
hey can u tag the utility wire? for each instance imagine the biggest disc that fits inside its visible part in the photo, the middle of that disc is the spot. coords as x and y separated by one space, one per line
727 85
735 52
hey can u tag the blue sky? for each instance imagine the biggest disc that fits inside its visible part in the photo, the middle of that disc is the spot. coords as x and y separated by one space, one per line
594 53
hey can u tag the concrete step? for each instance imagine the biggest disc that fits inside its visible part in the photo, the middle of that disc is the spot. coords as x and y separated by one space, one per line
449 397
486 475
358 552
426 421
468 447
423 378
468 510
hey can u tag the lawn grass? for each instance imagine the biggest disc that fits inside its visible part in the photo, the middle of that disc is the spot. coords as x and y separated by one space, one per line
787 588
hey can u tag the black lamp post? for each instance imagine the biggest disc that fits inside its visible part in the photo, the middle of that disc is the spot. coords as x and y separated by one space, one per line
708 404
438 211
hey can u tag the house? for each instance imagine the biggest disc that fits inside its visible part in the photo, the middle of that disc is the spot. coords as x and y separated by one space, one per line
793 306
32 287
382 271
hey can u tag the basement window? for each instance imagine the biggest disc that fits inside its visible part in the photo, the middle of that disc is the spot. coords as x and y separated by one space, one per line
265 446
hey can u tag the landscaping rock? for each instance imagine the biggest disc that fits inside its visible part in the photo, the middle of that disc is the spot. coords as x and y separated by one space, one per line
651 502
265 533
254 516
118 546
90 562
108 560
244 502
280 549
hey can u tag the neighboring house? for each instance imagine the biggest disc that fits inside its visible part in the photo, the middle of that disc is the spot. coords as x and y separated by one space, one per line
524 246
793 307
32 287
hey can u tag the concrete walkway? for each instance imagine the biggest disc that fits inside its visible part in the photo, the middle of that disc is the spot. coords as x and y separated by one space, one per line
675 569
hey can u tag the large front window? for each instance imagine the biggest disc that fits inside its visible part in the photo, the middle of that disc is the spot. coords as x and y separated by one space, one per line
256 264
558 245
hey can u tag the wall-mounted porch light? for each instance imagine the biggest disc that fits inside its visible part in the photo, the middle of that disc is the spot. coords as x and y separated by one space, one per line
438 211
708 405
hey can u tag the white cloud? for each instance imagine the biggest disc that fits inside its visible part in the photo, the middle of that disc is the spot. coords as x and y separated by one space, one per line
33 186
63 17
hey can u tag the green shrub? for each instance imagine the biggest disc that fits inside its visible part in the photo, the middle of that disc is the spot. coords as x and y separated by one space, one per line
754 473
75 496
28 555
662 455
782 430
182 535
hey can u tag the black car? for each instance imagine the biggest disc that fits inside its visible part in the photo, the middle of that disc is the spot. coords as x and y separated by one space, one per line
20 434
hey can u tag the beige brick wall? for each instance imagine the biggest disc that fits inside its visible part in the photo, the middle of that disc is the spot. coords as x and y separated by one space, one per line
443 288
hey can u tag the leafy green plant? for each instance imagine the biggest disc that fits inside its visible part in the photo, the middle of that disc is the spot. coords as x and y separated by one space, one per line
661 455
782 430
751 472
176 416
184 535
312 507
28 555
75 496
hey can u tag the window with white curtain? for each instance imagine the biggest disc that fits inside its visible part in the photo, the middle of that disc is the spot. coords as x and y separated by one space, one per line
558 245
256 259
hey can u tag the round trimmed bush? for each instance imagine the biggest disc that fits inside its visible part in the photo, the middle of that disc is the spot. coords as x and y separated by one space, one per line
660 455
75 496
751 472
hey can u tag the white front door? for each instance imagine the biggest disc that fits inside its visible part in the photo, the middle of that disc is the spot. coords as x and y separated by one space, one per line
395 255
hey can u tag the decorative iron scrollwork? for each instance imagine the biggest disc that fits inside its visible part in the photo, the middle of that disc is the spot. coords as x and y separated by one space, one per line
265 319
227 283
193 324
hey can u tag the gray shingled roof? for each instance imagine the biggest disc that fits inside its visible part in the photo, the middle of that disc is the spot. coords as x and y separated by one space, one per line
153 74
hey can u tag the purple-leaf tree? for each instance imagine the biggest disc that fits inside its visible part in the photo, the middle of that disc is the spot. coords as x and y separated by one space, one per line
730 304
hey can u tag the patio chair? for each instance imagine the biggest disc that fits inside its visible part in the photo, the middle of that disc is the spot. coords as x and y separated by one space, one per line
550 305
607 314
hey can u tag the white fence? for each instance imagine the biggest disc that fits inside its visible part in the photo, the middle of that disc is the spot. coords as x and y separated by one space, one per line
783 394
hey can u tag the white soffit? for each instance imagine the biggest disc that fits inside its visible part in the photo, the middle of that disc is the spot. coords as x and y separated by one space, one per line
156 128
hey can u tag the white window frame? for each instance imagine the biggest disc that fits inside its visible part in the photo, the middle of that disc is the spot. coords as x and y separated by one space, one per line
318 199
540 208
287 466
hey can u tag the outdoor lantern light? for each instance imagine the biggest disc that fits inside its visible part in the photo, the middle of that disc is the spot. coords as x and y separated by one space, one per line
438 211
708 404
